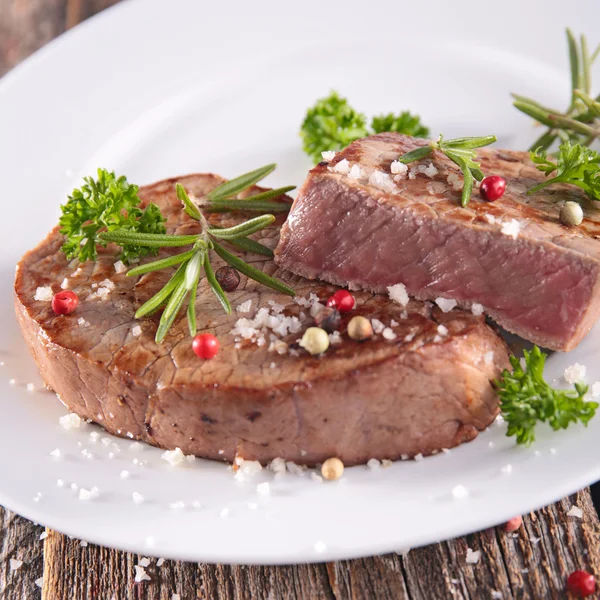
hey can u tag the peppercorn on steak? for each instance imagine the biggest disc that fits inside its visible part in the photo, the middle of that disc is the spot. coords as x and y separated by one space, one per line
356 223
421 382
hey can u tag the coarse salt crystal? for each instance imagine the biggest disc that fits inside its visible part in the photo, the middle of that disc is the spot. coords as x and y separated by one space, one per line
43 294
43 535
476 309
511 228
473 556
65 284
378 326
175 596
418 457
295 469
278 466
83 544
575 511
455 181
430 170
94 437
373 464
596 389
144 562
244 307
575 373
316 477
355 172
328 155
535 540
409 338
179 505
388 334
39 582
120 267
56 453
160 562
445 304
70 421
247 469
60 483
86 495
137 498
140 574
382 181
442 330
459 492
496 595
124 475
15 564
320 546
488 357
491 219
342 167
506 469
264 489
335 338
173 457
398 168
136 331
224 513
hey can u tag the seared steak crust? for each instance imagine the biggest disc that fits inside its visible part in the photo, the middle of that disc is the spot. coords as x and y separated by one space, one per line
534 276
382 398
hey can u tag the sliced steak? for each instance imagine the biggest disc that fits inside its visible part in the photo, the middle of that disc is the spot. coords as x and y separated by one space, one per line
370 229
424 390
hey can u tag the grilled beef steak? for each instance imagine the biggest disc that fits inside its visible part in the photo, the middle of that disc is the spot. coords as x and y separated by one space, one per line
355 223
426 389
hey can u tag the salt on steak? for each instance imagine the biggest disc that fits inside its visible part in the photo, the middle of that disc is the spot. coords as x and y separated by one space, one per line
354 223
262 396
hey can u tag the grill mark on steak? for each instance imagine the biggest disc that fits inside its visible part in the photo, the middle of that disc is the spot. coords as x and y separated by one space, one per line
544 285
351 403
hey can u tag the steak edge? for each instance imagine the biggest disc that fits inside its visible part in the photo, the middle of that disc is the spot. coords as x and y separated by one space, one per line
418 393
535 277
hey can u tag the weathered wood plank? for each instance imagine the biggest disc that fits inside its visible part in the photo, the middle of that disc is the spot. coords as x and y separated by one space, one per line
19 540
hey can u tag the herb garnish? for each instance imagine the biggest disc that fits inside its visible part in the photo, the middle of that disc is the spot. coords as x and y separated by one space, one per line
332 124
106 204
526 399
190 264
461 151
580 123
575 164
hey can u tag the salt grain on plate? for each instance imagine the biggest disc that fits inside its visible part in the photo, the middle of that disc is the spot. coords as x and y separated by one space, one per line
124 475
316 477
373 464
575 511
595 389
224 513
418 457
247 469
86 495
506 469
263 489
445 304
575 373
55 453
473 556
137 498
173 457
70 421
179 505
460 492
320 546
43 294
398 294
511 228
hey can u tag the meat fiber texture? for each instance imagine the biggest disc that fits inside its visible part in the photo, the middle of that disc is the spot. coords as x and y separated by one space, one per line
355 223
428 388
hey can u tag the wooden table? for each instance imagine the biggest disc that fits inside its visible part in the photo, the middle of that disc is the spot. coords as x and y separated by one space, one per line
533 563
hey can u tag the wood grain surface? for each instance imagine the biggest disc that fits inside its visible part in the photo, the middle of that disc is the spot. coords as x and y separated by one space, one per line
532 563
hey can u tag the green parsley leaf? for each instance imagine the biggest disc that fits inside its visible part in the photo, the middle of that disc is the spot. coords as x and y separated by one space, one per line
331 124
575 164
526 399
101 205
405 123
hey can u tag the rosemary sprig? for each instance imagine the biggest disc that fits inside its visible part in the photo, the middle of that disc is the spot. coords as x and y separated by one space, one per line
184 282
580 123
461 151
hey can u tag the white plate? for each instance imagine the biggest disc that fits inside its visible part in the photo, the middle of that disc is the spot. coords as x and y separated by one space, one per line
152 92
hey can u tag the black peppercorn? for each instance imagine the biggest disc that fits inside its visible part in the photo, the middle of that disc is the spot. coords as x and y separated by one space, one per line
328 319
228 277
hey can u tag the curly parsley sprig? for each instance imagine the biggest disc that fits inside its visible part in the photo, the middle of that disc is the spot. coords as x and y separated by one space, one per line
526 399
190 264
461 151
106 204
580 123
575 164
332 124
